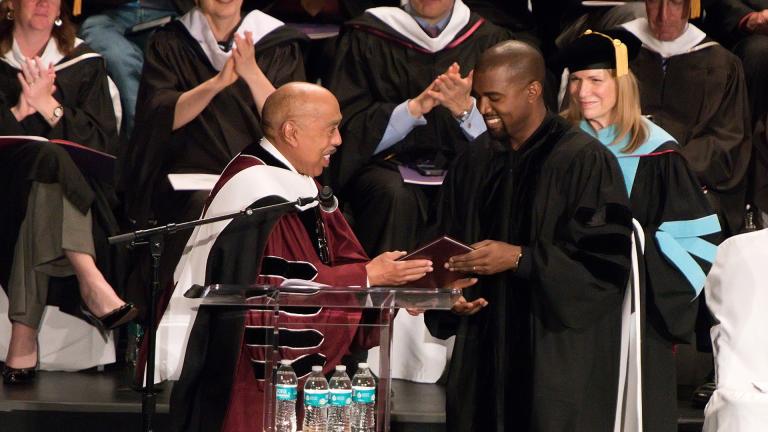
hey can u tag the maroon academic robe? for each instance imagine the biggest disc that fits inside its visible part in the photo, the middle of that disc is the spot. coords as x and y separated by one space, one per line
291 250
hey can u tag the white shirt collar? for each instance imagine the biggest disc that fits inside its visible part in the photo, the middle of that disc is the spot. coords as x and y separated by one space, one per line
405 24
271 149
687 42
51 54
256 22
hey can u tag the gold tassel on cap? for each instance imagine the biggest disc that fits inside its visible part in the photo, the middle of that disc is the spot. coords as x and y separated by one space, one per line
77 8
695 9
619 51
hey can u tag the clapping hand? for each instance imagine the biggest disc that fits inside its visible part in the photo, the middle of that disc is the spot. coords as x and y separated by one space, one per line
37 88
757 22
423 103
453 91
227 75
244 54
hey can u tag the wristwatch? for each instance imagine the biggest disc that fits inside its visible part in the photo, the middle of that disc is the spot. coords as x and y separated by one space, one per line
58 113
464 115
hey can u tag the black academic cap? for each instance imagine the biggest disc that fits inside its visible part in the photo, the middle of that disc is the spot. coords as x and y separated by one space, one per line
612 49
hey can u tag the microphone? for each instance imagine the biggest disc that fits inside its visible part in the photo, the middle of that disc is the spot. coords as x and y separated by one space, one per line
328 202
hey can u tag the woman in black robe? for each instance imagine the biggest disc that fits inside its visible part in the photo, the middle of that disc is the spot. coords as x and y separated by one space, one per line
667 201
55 218
204 81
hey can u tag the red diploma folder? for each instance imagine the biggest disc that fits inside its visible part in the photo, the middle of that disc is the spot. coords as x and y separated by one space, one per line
438 251
92 163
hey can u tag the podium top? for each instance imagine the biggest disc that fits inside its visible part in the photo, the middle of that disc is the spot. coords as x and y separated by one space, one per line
316 295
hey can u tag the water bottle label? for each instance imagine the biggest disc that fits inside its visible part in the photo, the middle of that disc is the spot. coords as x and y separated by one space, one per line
341 397
364 394
315 398
286 392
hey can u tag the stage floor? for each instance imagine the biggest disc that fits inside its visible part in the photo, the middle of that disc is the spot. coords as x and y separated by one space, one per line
103 401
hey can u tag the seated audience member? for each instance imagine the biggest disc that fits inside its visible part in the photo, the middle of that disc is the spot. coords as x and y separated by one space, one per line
300 124
54 219
544 206
105 32
511 14
667 202
561 22
396 77
694 89
388 62
321 54
743 26
737 298
205 79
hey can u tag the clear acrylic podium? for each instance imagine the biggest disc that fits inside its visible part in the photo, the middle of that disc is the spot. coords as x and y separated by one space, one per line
380 304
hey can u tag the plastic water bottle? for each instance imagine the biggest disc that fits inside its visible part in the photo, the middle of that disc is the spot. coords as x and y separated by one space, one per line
363 400
340 408
316 402
285 405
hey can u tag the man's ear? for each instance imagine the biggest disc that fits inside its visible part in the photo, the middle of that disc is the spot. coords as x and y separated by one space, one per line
289 132
534 91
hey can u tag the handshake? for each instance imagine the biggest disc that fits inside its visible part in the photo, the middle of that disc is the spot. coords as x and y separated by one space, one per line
449 89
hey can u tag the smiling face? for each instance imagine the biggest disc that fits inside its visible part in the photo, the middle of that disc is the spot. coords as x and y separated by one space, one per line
431 10
595 92
317 135
37 15
503 100
667 18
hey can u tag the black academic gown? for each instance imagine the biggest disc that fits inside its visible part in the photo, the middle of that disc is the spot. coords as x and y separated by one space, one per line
544 354
667 201
175 63
702 102
665 190
376 70
89 119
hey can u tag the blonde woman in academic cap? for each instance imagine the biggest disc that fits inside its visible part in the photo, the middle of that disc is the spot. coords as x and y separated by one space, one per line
677 230
54 218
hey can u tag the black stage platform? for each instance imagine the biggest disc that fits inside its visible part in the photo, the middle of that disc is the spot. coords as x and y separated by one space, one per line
102 401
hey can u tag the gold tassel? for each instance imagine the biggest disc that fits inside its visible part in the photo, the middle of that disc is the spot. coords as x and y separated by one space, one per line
77 9
622 58
619 51
695 9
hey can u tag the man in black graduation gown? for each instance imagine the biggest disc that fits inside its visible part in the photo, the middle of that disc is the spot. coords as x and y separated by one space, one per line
537 340
388 60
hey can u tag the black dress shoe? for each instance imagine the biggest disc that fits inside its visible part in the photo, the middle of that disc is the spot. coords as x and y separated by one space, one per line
13 376
118 317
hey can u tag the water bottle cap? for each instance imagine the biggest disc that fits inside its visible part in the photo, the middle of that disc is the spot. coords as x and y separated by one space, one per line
317 368
362 365
341 368
285 362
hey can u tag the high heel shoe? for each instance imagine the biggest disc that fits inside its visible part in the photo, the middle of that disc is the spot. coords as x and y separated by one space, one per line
112 320
13 376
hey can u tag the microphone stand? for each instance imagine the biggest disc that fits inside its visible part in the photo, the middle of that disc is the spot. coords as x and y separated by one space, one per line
155 238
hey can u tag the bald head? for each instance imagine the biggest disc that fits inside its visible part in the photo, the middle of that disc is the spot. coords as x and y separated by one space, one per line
521 61
295 101
302 121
